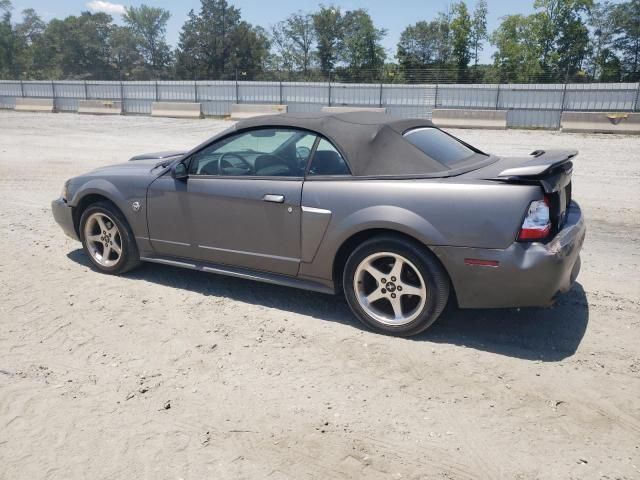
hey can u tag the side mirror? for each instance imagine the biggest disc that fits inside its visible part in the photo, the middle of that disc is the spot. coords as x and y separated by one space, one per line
179 171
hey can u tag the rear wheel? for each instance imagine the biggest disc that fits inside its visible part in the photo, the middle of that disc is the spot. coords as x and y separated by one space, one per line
394 286
107 239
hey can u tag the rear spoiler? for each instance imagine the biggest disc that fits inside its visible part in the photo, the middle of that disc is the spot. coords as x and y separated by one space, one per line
542 162
552 169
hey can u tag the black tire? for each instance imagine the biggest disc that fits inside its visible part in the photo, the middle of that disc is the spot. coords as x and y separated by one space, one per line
435 278
129 257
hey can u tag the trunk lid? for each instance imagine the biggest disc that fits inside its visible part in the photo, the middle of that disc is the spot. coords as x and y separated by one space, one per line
551 169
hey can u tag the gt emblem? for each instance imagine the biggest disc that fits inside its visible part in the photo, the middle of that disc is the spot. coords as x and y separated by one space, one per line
136 206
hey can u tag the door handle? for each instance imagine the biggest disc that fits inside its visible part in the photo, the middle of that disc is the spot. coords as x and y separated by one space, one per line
273 198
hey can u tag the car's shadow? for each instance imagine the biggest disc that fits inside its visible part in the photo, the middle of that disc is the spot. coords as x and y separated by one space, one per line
545 334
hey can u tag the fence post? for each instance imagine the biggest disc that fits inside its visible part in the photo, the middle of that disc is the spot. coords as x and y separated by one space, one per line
195 90
85 90
636 106
237 88
380 100
435 100
498 97
156 90
122 97
53 94
564 95
329 88
21 89
280 92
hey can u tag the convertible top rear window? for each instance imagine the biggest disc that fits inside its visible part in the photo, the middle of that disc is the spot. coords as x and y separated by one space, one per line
438 145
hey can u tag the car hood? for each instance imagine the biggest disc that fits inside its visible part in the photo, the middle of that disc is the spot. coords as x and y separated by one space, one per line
149 167
146 164
168 155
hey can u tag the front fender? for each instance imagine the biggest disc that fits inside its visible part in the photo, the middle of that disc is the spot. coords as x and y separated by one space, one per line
123 198
96 186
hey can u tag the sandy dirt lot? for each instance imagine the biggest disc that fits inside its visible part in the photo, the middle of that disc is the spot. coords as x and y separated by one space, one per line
167 373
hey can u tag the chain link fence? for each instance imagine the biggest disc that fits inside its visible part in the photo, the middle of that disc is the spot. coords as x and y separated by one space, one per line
527 105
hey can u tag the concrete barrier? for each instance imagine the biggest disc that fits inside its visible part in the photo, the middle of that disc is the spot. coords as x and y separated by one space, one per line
458 118
25 104
600 122
176 110
100 107
345 109
249 110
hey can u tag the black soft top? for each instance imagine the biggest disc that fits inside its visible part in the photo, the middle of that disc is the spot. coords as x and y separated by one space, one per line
371 142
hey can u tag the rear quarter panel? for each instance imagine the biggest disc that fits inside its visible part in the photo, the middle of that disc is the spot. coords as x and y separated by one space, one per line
448 212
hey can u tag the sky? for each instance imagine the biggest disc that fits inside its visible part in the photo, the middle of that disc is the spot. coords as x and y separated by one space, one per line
393 16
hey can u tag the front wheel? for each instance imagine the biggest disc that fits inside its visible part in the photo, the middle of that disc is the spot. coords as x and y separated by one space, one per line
394 286
107 239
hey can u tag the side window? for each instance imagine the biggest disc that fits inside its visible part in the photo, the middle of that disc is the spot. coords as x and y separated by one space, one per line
328 161
438 145
204 162
303 149
264 152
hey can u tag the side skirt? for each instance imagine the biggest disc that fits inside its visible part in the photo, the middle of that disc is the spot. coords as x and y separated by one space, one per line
245 273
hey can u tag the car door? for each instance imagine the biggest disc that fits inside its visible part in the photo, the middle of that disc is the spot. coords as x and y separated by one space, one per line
239 205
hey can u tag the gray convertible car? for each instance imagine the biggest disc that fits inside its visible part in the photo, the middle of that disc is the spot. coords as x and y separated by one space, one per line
396 213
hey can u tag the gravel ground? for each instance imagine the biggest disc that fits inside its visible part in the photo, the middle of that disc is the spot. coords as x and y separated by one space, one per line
168 373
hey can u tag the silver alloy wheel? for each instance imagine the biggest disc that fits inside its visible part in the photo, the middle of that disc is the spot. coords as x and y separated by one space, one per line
103 239
390 288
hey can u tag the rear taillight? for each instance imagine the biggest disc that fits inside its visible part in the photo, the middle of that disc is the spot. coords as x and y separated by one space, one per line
537 223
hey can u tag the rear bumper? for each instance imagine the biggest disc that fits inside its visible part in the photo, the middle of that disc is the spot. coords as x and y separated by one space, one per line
63 215
528 274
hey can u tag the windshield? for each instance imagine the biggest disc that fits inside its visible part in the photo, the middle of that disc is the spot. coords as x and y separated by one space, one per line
262 141
439 146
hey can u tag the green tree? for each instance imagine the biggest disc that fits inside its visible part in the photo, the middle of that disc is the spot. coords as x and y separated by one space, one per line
626 18
7 40
425 50
417 46
250 50
149 24
601 48
75 48
293 42
563 35
444 44
362 50
461 27
205 47
300 31
127 61
28 37
518 52
282 57
327 23
215 42
478 29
